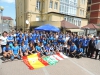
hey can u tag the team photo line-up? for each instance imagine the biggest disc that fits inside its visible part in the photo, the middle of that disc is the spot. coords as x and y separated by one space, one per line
18 44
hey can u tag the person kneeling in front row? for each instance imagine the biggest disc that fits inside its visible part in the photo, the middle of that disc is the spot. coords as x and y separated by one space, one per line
6 52
15 52
73 49
23 49
79 52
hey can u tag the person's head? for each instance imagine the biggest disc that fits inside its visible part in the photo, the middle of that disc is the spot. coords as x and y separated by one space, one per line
39 44
48 45
22 43
10 34
4 33
7 45
92 39
30 44
73 44
20 35
15 44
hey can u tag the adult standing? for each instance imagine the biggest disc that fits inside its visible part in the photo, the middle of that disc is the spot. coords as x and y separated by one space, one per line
3 40
91 48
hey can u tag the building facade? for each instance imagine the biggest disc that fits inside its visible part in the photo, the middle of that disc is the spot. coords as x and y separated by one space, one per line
6 23
32 13
95 12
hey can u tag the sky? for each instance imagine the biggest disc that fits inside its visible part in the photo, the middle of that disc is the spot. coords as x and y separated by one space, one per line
9 8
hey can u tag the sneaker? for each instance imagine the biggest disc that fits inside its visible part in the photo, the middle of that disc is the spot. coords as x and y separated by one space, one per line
4 59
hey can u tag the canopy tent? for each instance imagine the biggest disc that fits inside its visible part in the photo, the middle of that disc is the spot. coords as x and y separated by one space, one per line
91 26
47 27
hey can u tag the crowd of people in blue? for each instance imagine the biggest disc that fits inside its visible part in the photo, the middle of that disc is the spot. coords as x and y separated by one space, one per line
18 44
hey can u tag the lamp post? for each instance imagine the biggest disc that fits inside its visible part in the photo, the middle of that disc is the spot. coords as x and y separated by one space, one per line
1 11
86 31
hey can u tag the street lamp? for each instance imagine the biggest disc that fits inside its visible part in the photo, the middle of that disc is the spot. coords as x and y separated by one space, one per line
87 28
1 11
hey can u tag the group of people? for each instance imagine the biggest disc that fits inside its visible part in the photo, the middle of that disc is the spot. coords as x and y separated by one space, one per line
18 44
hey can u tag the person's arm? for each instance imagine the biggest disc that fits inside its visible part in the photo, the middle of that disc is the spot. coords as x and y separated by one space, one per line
74 50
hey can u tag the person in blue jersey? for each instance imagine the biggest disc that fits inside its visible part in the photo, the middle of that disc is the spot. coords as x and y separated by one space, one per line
15 52
33 35
69 42
60 37
29 37
26 33
26 40
78 41
41 38
63 39
88 40
20 39
23 49
47 50
55 42
37 35
31 48
84 45
17 34
44 41
79 52
74 39
7 52
38 49
73 49
21 33
51 37
10 40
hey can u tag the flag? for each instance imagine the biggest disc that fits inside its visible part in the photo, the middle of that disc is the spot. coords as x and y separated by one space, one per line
60 54
51 60
34 61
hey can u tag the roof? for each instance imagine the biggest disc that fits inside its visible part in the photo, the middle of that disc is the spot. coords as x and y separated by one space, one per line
6 18
91 26
68 25
66 15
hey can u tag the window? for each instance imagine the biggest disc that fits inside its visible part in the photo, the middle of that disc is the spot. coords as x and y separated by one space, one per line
79 23
56 5
83 1
51 4
63 8
83 12
37 18
38 5
80 12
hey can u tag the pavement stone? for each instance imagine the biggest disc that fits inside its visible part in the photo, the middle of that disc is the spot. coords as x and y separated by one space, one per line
67 66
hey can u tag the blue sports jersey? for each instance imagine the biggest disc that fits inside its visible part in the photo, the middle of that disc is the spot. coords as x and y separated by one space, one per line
23 48
5 49
9 38
38 48
15 50
79 50
72 48
19 40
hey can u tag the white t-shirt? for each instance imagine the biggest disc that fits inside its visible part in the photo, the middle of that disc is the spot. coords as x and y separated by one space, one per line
3 40
64 45
67 38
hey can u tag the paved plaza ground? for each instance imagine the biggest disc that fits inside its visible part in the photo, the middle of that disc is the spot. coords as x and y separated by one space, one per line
68 66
